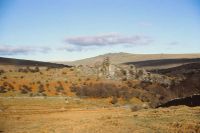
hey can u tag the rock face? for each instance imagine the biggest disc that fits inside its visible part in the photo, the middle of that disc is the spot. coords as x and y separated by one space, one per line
123 72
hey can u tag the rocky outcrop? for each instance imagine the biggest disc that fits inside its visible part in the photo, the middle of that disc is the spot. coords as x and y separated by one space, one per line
123 72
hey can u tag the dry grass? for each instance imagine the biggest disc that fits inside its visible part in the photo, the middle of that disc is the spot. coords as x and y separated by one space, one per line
53 115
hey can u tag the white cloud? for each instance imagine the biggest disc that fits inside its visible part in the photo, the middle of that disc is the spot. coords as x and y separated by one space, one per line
80 42
13 50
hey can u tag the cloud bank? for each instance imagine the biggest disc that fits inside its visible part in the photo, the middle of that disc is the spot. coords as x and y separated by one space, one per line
15 50
107 39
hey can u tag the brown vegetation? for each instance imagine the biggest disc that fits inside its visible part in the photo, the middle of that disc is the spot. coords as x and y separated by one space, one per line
101 90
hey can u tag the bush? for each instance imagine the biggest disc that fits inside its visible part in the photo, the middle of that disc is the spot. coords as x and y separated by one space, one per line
47 85
135 108
23 70
2 71
41 88
48 68
37 69
123 72
31 94
59 88
28 69
6 87
25 89
114 100
102 90
3 89
64 73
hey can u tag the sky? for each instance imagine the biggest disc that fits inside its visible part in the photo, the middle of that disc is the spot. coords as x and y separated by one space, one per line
66 30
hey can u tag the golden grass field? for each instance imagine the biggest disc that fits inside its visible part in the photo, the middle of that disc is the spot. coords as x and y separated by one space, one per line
54 115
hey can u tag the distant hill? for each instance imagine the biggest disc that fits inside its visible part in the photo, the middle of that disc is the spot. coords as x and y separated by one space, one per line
119 58
163 63
183 69
20 62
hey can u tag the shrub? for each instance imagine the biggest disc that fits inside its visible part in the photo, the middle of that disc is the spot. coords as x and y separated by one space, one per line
64 73
124 79
59 88
123 72
28 69
135 108
114 100
48 68
37 69
8 86
25 89
43 94
31 95
102 90
23 70
130 84
47 85
59 82
2 89
41 88
2 71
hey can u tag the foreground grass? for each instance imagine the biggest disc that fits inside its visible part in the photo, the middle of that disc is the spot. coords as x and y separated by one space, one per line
55 115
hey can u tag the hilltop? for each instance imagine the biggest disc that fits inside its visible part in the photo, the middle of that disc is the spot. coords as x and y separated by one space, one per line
121 58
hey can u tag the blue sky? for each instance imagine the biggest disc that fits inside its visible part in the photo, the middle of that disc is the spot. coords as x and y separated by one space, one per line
64 30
